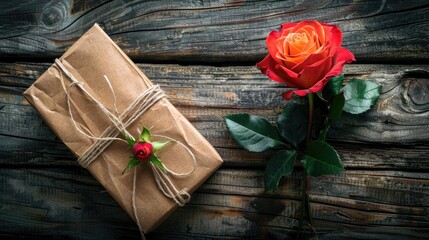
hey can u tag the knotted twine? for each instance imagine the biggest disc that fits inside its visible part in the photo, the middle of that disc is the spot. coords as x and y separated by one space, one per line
137 108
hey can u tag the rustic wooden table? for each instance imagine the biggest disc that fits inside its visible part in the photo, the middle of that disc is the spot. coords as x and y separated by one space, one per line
203 53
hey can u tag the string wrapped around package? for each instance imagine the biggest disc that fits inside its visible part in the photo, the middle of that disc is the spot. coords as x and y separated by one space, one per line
137 108
92 96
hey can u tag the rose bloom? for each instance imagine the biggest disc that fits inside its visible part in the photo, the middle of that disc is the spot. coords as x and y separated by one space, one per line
304 56
143 151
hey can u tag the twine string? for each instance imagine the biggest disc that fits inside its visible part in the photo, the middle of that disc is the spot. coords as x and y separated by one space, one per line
194 160
119 123
133 199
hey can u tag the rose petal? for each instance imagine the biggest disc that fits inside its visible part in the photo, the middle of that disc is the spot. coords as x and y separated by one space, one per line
285 28
272 38
291 74
342 57
317 27
335 40
272 45
312 53
288 94
312 44
291 62
270 67
300 92
303 24
313 73
296 46
311 59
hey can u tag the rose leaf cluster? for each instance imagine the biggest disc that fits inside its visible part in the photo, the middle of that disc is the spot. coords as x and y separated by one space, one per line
308 58
144 150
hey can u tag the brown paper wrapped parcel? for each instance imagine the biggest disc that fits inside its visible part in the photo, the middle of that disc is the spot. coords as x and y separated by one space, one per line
73 115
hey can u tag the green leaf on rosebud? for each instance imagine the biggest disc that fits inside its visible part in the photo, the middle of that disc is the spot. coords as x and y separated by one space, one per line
360 95
280 164
321 159
157 163
336 108
158 145
130 141
145 135
292 123
132 163
253 133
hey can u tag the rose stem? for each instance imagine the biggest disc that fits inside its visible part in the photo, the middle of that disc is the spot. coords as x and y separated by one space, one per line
310 117
307 178
305 206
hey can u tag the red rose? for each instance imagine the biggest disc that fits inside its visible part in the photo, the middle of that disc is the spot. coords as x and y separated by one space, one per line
143 151
304 56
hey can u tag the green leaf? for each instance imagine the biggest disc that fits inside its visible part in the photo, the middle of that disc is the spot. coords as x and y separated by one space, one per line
157 163
293 124
158 145
132 163
130 141
321 159
253 133
360 95
281 164
334 85
324 132
145 135
336 109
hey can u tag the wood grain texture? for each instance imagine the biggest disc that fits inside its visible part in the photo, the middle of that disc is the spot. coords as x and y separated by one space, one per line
205 94
384 194
211 31
68 203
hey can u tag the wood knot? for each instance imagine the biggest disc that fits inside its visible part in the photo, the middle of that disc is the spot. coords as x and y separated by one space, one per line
53 15
417 90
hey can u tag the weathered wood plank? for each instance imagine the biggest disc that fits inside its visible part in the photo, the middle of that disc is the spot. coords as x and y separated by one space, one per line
68 202
211 31
29 152
204 94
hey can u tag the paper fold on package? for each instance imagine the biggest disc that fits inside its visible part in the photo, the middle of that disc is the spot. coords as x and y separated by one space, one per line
89 59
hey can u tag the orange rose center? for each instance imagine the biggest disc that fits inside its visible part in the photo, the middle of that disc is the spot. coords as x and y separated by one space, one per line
295 43
296 46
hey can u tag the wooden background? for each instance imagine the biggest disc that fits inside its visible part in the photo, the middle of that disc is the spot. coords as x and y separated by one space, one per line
203 54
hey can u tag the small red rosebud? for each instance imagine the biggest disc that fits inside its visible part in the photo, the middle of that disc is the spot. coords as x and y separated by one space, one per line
143 151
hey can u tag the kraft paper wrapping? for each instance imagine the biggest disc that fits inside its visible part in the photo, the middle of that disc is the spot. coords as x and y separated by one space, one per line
89 59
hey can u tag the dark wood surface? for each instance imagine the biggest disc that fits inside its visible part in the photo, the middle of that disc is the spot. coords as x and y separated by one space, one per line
207 31
202 53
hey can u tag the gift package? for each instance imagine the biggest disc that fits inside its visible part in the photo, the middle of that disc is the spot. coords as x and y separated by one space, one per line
92 92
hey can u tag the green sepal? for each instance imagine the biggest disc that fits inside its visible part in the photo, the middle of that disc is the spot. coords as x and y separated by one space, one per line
360 95
320 95
321 159
157 163
280 164
253 133
158 145
145 135
132 163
